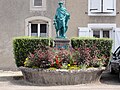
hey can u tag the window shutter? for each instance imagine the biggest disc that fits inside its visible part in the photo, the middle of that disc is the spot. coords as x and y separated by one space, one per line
84 32
95 5
108 6
117 37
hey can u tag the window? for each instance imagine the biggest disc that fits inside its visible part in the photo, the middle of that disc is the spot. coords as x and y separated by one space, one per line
39 5
34 30
101 7
106 34
96 34
39 30
101 33
43 30
38 26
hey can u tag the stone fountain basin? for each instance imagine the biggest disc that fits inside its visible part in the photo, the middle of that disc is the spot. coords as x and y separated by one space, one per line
61 76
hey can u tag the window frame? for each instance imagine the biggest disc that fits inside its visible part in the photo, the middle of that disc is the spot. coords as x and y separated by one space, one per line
37 8
38 29
101 32
104 26
102 9
40 18
30 32
98 32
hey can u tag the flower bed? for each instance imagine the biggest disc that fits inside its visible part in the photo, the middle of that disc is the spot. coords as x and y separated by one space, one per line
78 64
61 76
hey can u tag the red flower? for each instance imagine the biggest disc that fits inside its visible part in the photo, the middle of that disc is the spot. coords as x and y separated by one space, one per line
57 61
56 57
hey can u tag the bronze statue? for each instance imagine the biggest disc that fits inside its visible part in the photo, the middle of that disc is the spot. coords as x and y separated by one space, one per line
61 21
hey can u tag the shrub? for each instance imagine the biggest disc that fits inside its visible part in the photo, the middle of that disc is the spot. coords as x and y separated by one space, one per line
40 58
103 47
47 57
22 46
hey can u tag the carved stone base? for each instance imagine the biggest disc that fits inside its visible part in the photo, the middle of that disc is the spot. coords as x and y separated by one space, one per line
61 77
61 43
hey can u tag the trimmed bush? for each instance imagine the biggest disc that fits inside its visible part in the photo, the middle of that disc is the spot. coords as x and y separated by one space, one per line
22 46
104 45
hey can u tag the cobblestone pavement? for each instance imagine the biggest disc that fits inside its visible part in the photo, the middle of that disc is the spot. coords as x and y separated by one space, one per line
14 81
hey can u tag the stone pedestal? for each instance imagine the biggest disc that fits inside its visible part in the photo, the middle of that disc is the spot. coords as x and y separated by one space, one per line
61 43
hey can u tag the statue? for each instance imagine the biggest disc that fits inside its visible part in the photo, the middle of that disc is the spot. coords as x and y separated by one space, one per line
61 21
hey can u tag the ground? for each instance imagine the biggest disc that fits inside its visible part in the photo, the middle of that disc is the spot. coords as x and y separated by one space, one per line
10 80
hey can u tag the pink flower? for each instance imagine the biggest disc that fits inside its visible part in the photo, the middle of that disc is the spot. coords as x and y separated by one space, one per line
32 55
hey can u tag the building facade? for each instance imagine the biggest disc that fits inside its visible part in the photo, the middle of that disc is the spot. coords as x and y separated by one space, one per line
98 18
95 18
23 18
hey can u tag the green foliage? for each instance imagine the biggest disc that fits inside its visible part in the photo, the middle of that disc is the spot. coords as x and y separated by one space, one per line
52 68
80 58
22 46
46 57
74 68
85 52
40 58
103 45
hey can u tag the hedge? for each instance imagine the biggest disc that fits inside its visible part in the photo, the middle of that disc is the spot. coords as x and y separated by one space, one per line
22 46
104 45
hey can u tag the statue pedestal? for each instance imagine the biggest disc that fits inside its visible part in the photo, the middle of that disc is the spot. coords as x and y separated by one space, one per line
61 43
